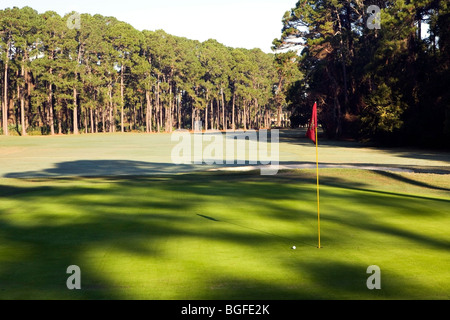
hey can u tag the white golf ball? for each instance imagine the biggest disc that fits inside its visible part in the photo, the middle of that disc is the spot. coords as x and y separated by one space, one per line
293 247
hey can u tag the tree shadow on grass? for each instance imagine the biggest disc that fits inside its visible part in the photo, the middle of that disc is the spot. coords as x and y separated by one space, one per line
348 280
39 242
117 168
443 156
38 247
101 168
410 181
133 215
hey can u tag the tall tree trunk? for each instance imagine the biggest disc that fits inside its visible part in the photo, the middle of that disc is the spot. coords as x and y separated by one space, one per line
265 119
337 107
43 117
110 118
233 126
60 119
75 112
169 117
5 99
95 120
22 115
114 115
168 124
258 116
121 97
161 115
148 113
22 105
131 113
245 116
170 106
217 119
223 109
50 99
86 122
50 108
92 120
29 86
279 111
75 103
193 119
206 112
179 111
68 123
212 113
343 58
158 107
18 100
112 123
206 118
103 121
134 116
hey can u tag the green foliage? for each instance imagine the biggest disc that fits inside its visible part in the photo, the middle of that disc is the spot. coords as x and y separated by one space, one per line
383 111
107 74
392 80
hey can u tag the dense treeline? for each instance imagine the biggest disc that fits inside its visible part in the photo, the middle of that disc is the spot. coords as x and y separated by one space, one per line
84 73
389 84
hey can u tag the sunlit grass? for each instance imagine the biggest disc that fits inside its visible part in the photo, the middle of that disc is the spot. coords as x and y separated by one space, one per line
226 236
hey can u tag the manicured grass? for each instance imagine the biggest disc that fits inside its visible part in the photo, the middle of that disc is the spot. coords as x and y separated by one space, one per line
147 154
226 236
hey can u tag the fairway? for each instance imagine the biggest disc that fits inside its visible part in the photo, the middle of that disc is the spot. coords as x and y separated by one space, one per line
262 154
150 154
140 227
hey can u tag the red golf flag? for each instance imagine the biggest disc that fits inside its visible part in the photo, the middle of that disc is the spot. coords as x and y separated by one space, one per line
311 132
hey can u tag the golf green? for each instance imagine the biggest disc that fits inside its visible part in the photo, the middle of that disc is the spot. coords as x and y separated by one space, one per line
226 236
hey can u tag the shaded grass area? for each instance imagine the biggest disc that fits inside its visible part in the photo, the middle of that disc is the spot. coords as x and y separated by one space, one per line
226 236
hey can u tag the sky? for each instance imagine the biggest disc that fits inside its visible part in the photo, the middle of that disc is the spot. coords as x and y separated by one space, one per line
235 23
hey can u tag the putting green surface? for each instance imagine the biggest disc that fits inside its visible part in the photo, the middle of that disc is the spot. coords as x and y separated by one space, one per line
226 236
151 154
141 227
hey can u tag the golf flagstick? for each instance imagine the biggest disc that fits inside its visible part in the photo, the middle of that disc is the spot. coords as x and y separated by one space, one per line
318 197
311 133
